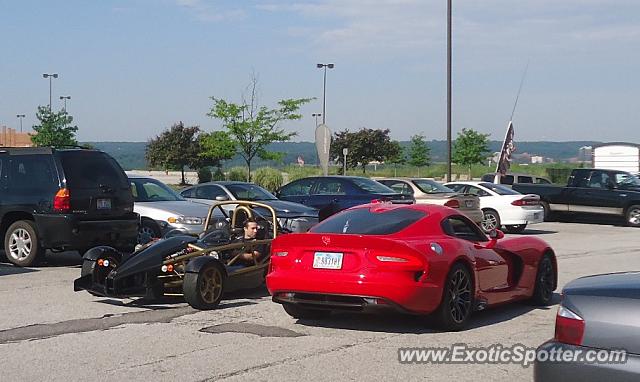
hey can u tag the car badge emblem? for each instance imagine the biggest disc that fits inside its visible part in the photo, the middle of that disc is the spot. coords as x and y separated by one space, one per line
326 240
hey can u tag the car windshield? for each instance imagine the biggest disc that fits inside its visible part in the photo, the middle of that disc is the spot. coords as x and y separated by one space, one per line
627 180
499 189
249 192
431 187
372 186
151 190
363 221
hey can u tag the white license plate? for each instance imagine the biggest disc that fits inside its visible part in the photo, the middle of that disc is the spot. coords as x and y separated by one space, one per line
327 260
468 203
103 204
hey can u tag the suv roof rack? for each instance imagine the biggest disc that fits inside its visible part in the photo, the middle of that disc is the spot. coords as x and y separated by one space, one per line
26 150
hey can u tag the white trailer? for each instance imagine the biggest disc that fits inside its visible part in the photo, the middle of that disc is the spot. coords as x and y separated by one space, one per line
617 156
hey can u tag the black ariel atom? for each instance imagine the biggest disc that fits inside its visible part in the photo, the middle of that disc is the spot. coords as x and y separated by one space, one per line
199 268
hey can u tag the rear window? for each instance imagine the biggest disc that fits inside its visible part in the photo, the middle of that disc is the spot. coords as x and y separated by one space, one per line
499 189
431 187
90 169
372 186
363 221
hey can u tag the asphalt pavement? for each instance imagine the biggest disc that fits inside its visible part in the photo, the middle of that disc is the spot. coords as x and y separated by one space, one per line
49 332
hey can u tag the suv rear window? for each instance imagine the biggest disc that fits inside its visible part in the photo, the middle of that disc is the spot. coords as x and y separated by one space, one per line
363 221
90 169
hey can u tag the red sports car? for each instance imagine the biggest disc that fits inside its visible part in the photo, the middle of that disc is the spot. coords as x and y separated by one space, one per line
420 259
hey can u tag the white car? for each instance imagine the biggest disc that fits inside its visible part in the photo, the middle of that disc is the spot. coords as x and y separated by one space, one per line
503 206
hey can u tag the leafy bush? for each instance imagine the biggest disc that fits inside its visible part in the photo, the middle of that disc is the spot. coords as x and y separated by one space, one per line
297 172
238 174
268 177
217 175
204 175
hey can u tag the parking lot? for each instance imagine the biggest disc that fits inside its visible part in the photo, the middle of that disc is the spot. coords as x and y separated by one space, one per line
49 332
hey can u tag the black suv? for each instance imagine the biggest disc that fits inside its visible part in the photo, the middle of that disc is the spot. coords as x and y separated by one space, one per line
63 200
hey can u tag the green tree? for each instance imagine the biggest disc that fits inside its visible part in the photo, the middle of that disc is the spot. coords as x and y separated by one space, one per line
176 148
252 127
365 145
470 147
341 140
419 152
216 147
396 156
55 129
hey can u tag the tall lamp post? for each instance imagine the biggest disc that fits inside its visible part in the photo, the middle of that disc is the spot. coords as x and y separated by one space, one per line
316 115
50 76
20 116
324 89
449 90
65 98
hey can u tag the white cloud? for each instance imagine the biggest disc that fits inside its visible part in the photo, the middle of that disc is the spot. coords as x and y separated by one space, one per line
205 11
394 25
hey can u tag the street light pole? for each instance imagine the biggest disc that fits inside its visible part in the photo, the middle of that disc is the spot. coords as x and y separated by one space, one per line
316 115
324 89
20 116
50 76
449 90
65 98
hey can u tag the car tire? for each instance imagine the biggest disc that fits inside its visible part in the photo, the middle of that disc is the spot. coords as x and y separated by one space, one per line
203 290
457 299
148 228
545 282
302 313
515 228
490 220
22 245
632 216
546 212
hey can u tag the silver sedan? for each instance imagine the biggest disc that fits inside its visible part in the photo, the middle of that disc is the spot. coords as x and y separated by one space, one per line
161 209
597 336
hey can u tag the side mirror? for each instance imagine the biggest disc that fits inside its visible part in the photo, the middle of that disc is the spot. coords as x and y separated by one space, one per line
221 198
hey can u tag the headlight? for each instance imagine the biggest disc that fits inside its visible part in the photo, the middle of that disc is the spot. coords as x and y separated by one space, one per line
185 220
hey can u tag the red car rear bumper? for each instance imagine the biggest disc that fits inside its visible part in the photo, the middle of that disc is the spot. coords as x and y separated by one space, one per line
331 290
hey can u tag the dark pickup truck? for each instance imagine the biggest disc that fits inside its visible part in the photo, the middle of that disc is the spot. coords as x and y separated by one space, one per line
591 191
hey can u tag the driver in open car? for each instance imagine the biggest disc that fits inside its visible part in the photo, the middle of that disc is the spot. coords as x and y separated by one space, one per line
248 254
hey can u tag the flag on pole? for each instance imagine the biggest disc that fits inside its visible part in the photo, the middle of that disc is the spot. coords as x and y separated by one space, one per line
508 147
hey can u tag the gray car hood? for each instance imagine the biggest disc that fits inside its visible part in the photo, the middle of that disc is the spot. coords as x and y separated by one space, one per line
286 209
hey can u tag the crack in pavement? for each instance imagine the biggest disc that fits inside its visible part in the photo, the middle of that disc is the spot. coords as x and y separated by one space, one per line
160 360
251 328
293 359
42 331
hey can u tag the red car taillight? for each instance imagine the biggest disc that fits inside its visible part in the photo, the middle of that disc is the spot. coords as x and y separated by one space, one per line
397 261
452 203
62 201
569 327
525 202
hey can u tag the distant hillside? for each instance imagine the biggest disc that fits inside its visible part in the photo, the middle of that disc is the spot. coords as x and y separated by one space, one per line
130 155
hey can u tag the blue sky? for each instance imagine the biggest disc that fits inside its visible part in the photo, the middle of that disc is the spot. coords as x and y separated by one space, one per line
134 67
